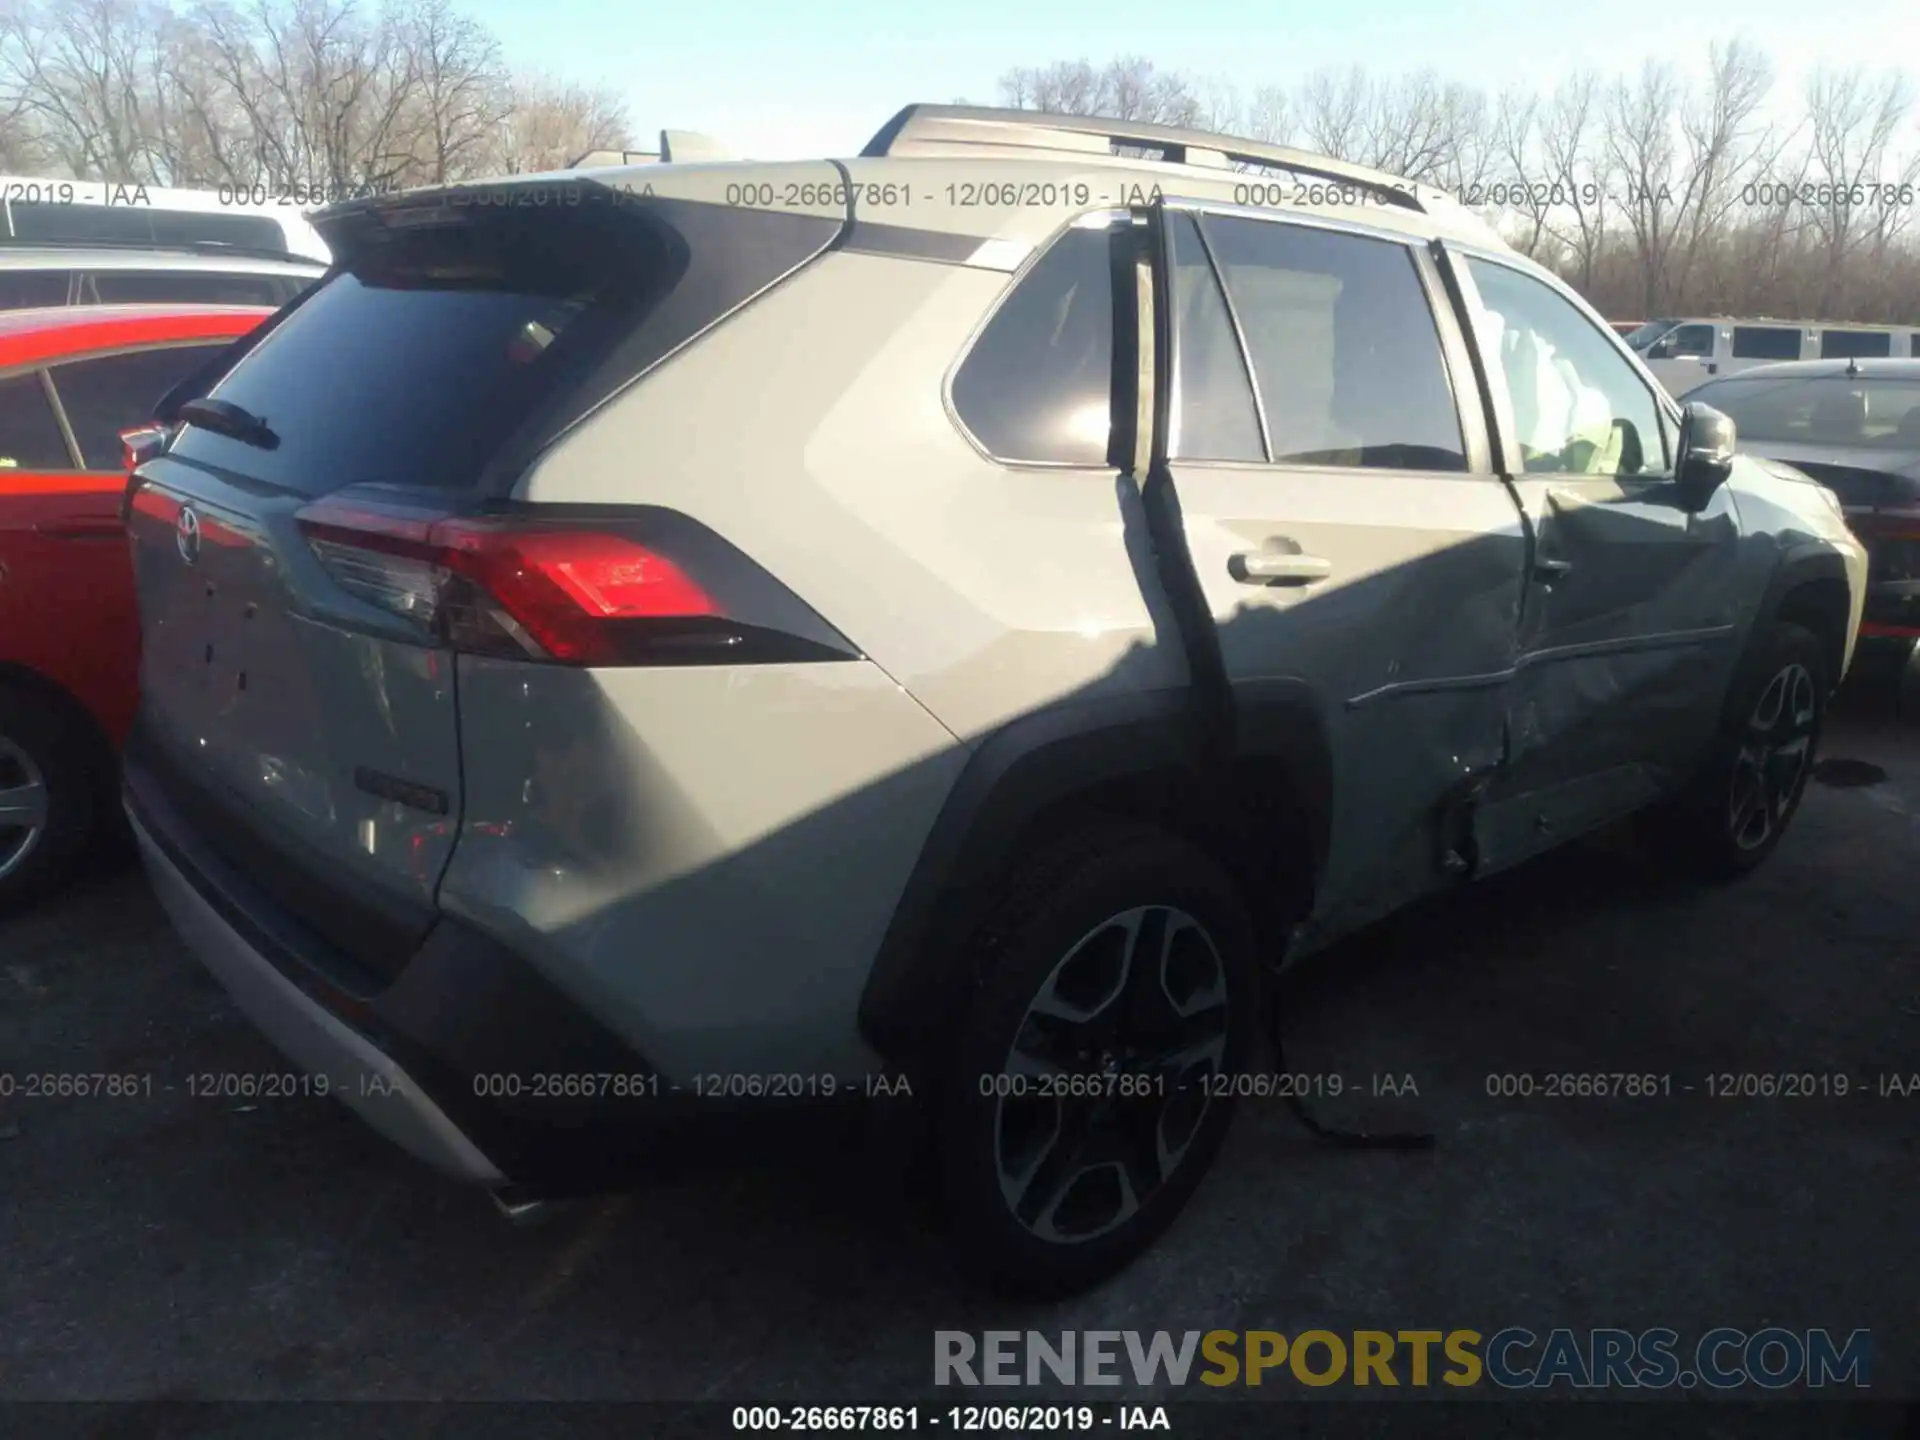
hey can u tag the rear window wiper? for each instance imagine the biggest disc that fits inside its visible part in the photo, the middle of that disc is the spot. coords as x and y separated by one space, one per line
223 417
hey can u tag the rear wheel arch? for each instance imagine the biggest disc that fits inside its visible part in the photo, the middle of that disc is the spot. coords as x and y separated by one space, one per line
1071 767
85 727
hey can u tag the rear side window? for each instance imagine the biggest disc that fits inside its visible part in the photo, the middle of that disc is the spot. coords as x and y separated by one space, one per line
1214 413
1845 344
144 225
1765 342
1037 386
1346 353
433 344
188 287
30 437
33 289
104 396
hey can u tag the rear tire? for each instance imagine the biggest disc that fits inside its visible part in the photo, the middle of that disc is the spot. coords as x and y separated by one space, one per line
1075 1117
1749 786
50 789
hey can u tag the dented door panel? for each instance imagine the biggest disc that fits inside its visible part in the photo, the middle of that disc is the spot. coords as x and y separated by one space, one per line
1631 618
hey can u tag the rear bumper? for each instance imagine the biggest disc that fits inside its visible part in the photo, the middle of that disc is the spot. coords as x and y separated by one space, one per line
468 1058
368 1080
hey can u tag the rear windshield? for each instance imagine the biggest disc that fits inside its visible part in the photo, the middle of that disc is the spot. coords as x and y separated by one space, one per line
188 287
427 348
1835 411
144 225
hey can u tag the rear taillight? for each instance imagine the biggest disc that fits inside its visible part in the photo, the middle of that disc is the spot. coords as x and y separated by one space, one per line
1886 522
561 591
137 446
141 444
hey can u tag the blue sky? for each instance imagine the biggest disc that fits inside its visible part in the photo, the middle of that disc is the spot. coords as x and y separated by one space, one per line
774 79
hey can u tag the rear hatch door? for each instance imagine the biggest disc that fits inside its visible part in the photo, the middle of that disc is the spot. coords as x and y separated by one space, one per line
296 709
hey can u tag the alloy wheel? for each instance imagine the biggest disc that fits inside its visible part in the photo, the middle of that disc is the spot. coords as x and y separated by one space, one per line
1771 766
23 806
1106 1084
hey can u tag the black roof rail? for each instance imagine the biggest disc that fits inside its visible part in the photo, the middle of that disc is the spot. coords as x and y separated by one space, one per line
957 129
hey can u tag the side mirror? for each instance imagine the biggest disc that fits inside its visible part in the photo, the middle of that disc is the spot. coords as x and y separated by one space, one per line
1661 349
1705 458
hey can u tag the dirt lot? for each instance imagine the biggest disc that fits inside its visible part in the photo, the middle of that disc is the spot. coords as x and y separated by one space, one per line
167 1245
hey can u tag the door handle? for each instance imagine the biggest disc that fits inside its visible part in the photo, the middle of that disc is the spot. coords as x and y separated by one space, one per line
1277 567
87 528
1547 571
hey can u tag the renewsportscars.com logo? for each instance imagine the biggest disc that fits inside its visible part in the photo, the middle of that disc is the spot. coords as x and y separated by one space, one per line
1513 1359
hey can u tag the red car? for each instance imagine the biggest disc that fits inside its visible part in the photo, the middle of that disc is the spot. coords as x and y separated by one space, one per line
71 380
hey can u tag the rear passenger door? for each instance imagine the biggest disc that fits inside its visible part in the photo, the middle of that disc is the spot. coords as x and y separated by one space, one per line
1355 545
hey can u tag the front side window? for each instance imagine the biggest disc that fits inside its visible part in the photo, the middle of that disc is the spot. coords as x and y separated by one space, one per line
1643 337
1578 406
112 393
1346 352
1037 386
1691 342
30 437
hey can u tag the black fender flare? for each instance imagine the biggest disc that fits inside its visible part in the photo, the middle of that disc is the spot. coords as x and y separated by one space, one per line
920 977
1810 561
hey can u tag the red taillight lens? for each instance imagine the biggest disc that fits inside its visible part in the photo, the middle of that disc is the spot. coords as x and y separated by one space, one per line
544 591
566 589
141 444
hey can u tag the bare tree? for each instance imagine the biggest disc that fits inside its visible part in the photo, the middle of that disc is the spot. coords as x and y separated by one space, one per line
90 76
1516 138
1853 121
460 92
549 124
1127 88
1578 161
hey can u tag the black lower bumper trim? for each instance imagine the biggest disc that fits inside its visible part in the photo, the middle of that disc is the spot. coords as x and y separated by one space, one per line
550 1096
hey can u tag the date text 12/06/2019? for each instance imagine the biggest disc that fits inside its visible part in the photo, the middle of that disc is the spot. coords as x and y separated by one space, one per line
961 1419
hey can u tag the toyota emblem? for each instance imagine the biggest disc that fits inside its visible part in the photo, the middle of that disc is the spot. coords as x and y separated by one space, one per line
186 534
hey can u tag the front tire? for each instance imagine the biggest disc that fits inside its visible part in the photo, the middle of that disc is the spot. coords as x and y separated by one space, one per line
1748 789
1081 1107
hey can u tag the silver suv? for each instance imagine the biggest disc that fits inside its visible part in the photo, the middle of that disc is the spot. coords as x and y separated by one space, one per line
640 643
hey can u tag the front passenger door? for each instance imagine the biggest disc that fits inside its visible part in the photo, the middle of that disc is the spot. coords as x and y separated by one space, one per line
1626 637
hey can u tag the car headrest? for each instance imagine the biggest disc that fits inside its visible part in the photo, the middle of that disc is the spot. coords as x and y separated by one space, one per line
1840 416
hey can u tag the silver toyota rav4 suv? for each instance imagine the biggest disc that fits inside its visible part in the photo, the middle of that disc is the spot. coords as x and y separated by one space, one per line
653 642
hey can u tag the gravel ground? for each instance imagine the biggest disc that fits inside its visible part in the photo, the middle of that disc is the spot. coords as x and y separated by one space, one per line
172 1246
